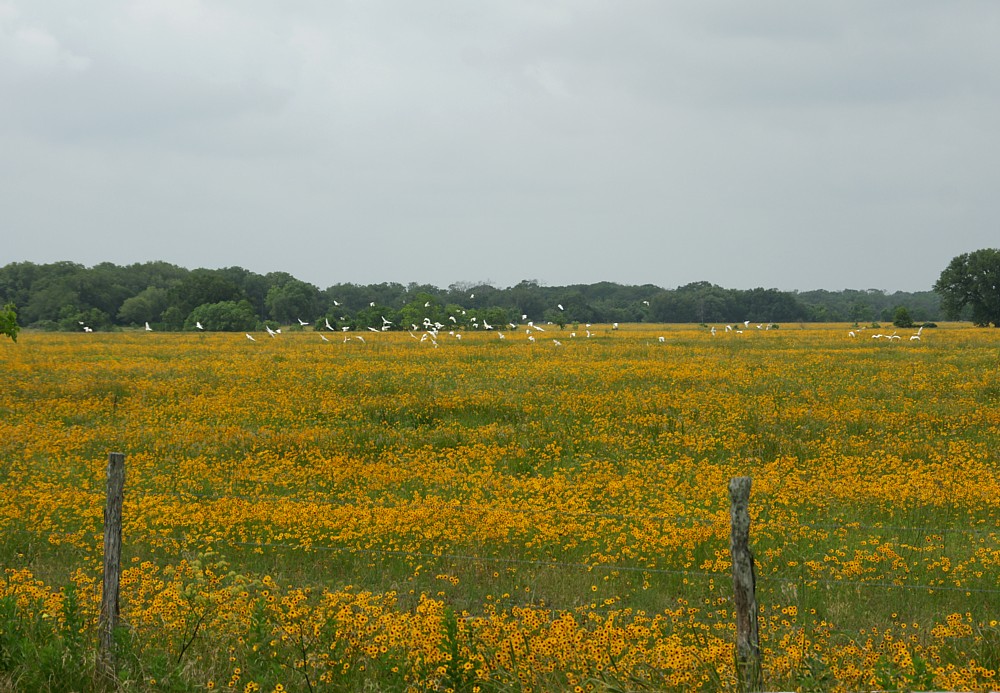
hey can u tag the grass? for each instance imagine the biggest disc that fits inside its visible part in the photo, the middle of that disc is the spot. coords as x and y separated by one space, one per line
333 516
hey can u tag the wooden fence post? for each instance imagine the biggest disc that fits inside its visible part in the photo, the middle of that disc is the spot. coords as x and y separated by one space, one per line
748 664
112 563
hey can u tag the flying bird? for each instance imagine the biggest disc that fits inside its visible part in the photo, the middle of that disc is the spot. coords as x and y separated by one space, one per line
559 306
197 324
327 324
302 322
250 337
148 328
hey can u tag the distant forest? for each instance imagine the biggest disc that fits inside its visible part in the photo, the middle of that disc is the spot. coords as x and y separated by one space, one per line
68 296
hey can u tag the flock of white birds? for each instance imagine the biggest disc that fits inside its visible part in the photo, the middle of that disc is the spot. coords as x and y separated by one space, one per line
431 332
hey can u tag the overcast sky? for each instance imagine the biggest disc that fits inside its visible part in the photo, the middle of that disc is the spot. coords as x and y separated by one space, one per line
794 145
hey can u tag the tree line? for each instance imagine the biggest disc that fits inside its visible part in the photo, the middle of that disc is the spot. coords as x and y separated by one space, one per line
69 296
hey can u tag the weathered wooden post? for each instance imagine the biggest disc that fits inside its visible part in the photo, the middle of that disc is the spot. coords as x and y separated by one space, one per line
748 665
112 563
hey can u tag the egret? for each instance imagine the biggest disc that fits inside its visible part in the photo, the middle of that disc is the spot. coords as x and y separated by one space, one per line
250 337
646 302
302 323
148 328
501 335
557 342
662 340
323 337
713 330
372 329
345 328
372 304
915 338
270 331
614 326
335 302
360 338
851 334
427 304
487 326
198 325
531 338
327 324
559 306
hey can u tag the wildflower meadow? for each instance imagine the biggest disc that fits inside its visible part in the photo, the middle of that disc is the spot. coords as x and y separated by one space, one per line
486 514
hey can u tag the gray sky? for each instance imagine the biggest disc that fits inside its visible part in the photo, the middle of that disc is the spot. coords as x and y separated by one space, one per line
849 144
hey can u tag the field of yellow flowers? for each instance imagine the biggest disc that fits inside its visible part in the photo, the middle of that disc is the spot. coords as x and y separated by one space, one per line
501 515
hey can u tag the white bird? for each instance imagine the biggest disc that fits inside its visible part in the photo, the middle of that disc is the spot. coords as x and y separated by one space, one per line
372 329
524 317
302 322
458 336
345 328
512 326
559 306
471 296
557 342
327 324
646 302
88 329
250 337
427 304
662 339
851 334
501 335
614 326
323 337
729 328
915 338
148 328
197 324
386 322
713 330
531 338
360 338
572 334
269 331
487 326
336 302
372 304
452 318
746 323
588 334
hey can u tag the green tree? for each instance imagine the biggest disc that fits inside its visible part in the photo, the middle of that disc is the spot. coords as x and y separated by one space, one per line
145 306
901 317
971 282
291 301
224 316
8 321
